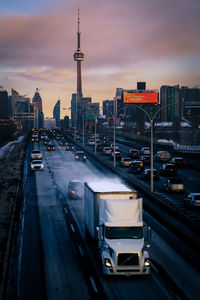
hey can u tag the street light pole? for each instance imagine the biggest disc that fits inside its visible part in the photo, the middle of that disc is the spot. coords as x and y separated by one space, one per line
83 129
95 137
114 134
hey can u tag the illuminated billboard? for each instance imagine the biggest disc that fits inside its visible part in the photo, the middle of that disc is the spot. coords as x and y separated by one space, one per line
143 98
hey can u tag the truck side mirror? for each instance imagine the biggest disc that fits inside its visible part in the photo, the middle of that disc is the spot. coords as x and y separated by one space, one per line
147 233
100 233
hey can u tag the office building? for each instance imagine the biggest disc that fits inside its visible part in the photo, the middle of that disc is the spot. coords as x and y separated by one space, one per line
56 113
38 113
4 105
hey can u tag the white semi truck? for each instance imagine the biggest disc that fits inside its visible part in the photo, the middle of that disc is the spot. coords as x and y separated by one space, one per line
113 217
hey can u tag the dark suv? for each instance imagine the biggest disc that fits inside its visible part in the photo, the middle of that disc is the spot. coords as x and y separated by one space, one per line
137 167
168 170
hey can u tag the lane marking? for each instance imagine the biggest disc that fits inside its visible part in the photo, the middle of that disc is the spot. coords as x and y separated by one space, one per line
80 250
93 285
72 227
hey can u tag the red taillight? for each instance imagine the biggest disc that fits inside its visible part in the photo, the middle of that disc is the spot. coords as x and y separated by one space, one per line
194 202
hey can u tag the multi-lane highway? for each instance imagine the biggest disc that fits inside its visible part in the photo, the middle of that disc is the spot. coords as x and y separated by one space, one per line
55 262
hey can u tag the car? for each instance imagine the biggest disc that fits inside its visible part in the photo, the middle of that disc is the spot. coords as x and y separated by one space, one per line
107 151
51 147
118 155
75 189
36 154
46 142
174 185
125 162
145 151
91 142
146 174
62 143
44 137
116 147
146 159
35 139
162 156
136 167
99 147
192 200
70 147
168 170
133 153
179 162
37 165
80 155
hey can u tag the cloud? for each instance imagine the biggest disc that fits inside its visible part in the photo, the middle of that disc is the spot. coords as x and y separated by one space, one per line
114 33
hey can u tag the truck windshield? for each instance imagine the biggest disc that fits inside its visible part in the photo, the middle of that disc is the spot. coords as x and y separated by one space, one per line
123 232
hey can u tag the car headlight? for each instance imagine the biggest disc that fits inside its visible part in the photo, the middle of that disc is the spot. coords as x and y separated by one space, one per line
84 157
77 157
147 262
107 262
73 192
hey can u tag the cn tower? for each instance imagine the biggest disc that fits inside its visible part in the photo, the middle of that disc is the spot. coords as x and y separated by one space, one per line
79 56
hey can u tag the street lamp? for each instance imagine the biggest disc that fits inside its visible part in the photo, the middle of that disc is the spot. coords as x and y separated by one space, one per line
151 119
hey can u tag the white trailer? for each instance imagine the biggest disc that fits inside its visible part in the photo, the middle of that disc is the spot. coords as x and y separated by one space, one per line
113 216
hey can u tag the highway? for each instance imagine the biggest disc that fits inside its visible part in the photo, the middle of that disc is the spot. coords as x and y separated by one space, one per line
55 262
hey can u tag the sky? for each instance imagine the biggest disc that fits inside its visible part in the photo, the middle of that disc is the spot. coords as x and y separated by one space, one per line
157 41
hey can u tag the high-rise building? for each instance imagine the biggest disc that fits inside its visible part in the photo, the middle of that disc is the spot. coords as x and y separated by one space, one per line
170 103
22 110
108 108
4 105
56 113
38 113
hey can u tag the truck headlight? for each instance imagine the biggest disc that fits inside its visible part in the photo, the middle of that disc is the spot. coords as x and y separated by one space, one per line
107 262
147 262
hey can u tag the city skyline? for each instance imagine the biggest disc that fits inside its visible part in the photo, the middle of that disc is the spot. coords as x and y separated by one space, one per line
124 42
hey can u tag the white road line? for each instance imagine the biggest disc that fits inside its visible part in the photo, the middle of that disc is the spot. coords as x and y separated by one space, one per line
65 210
80 250
72 227
93 285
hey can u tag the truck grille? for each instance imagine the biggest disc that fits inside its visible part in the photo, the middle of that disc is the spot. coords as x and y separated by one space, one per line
128 259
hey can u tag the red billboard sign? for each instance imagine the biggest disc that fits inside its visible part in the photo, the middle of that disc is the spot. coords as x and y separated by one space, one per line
137 98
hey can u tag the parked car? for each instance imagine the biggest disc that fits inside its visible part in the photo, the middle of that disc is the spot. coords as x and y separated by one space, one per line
36 154
125 162
146 174
118 155
70 147
133 153
174 185
75 189
145 151
179 162
192 200
162 156
168 170
80 155
51 147
107 151
136 167
37 165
